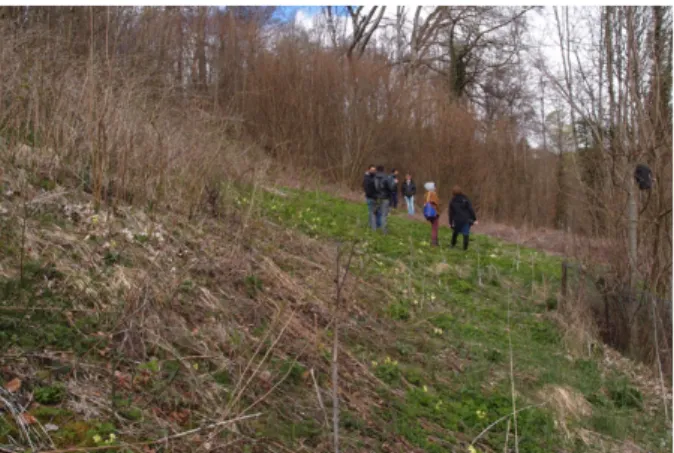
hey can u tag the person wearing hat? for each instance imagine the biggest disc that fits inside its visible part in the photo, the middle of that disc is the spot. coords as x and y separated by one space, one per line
432 210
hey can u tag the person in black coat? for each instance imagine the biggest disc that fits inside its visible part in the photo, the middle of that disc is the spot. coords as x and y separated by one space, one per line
461 216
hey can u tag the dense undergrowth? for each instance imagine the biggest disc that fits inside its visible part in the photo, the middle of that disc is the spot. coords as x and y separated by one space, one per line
122 328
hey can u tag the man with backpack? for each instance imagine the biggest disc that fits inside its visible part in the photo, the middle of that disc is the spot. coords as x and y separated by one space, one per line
383 185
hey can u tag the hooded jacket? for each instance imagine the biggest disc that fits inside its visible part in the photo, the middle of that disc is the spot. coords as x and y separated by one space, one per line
461 211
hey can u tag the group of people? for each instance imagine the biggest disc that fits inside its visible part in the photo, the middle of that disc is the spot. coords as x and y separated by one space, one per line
381 192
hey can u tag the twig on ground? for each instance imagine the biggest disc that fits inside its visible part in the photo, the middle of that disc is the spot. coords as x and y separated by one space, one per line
320 399
512 375
157 441
257 369
507 416
340 280
505 445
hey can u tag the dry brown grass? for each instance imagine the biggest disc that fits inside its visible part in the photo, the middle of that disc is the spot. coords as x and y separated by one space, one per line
217 321
567 403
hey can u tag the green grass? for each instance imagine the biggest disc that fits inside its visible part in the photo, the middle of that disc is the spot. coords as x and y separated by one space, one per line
451 311
441 365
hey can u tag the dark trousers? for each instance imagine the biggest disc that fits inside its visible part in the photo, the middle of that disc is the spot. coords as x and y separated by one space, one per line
435 224
465 231
394 200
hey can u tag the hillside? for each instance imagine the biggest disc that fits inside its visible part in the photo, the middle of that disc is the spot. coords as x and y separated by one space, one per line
132 330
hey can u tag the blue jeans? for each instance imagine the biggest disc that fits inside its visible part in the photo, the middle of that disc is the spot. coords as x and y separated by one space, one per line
410 204
383 214
372 213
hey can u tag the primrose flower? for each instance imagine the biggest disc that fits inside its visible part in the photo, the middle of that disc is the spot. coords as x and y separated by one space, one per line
415 302
97 438
432 296
472 449
425 389
112 437
480 414
374 363
437 331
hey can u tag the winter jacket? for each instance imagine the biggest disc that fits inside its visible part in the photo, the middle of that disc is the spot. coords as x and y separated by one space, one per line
368 186
461 211
409 189
383 185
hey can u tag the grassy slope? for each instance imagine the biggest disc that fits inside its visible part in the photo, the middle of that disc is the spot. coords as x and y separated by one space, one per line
456 378
142 335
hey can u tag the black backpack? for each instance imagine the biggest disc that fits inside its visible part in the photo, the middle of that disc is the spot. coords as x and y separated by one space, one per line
382 184
644 177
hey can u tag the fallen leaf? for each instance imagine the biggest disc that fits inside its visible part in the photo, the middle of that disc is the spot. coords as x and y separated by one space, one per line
14 385
51 427
28 419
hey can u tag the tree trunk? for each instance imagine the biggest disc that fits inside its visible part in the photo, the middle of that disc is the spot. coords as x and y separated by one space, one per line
633 220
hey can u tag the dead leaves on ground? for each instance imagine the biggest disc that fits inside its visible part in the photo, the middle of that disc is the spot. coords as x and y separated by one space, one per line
13 386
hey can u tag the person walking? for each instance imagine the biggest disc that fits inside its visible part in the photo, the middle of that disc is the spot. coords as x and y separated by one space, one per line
394 189
383 186
461 216
371 197
409 190
432 211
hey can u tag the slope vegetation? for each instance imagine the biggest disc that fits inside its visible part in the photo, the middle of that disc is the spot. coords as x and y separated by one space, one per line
143 330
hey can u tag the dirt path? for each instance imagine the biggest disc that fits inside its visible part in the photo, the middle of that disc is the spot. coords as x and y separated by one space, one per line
551 241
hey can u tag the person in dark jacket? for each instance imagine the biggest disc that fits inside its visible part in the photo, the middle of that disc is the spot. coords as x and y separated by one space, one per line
461 216
371 197
394 189
383 186
409 190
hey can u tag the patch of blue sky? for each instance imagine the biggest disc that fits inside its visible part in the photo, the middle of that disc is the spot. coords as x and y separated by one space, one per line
288 13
